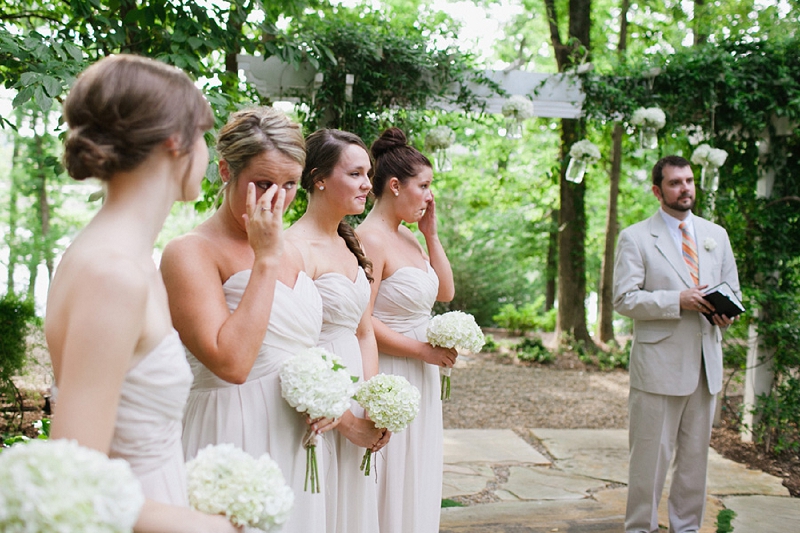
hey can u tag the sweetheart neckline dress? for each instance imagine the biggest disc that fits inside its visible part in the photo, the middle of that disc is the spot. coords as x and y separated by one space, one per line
410 466
147 430
352 496
254 416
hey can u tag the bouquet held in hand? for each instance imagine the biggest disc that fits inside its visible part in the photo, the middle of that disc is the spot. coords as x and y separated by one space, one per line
391 403
455 329
316 383
226 480
58 486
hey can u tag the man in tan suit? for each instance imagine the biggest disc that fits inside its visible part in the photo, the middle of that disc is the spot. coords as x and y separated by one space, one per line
662 267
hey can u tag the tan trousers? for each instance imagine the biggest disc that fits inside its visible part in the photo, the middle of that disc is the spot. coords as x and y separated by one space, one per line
662 428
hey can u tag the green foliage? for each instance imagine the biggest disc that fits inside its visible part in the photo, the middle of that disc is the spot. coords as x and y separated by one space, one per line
16 315
614 357
532 349
525 318
724 519
447 502
489 344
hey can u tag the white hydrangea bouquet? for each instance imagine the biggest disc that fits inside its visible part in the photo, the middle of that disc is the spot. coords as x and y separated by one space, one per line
585 150
706 156
391 402
517 107
58 486
649 117
439 138
454 329
226 480
317 384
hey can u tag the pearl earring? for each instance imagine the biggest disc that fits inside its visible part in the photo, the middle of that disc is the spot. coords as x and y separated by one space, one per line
322 187
397 193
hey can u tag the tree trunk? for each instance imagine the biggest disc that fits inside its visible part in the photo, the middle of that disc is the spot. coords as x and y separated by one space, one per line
13 214
571 249
572 215
700 36
552 263
605 314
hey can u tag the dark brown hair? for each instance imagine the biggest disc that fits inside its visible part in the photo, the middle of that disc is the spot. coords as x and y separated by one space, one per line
122 107
395 158
323 150
667 161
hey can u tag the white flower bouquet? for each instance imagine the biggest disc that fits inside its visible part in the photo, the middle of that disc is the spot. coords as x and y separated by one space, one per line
585 150
706 156
454 329
517 107
649 117
391 402
440 138
316 383
58 486
226 480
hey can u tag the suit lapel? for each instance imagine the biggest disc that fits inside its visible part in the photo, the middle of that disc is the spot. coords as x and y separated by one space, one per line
665 244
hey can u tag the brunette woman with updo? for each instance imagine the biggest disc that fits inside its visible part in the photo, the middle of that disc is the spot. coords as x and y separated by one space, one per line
336 177
408 280
243 304
122 377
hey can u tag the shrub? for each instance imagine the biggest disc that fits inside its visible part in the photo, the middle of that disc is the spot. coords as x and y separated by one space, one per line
532 349
16 316
489 344
527 317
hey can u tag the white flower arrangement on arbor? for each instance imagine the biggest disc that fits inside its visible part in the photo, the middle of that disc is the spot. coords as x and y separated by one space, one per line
582 154
454 329
649 120
317 384
391 402
710 160
438 140
224 479
516 110
57 485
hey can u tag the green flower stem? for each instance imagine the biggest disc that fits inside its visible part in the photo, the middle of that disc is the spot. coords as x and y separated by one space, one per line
366 462
312 473
445 387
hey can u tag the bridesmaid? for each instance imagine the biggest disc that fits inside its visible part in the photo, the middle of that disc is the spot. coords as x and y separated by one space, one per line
407 283
137 125
242 304
337 181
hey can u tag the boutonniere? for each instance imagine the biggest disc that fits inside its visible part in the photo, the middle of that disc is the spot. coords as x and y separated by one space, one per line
709 244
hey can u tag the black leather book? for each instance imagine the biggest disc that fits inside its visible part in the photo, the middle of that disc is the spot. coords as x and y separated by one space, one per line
724 300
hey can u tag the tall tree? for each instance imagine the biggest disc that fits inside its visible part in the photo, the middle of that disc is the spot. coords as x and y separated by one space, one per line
605 318
572 217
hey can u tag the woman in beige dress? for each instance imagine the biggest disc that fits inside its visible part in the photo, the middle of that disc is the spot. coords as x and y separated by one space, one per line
121 375
408 280
243 304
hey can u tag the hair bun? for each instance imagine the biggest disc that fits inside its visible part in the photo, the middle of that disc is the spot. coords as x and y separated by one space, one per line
390 139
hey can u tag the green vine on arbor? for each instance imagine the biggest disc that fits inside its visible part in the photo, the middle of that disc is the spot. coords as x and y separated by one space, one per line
742 97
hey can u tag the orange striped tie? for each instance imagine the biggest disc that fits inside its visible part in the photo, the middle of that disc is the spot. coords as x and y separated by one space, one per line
689 249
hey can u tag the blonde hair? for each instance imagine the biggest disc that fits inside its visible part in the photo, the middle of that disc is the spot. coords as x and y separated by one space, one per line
253 131
122 107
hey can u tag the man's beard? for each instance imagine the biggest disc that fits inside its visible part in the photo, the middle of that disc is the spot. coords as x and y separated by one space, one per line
680 207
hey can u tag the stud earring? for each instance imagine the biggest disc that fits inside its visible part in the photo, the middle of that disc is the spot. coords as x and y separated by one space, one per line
397 193
322 187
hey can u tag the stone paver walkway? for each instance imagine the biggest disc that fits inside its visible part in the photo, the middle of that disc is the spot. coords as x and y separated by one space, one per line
582 490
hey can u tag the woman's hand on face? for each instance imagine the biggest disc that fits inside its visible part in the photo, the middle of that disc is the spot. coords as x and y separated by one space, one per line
439 356
427 224
264 221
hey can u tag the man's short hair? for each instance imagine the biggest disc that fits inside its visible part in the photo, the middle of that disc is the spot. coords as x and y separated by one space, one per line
667 161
